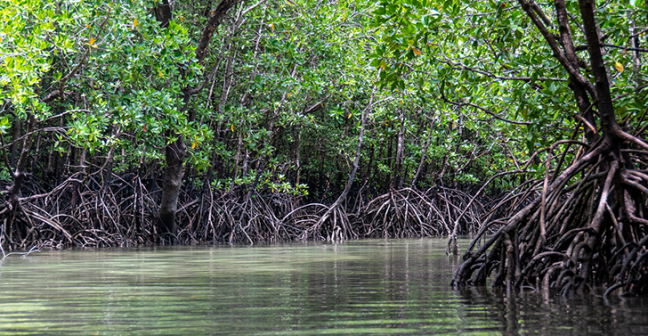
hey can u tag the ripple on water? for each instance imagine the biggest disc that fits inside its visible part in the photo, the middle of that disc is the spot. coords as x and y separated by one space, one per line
362 287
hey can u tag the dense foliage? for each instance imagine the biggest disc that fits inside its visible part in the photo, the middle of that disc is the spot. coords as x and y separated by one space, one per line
134 122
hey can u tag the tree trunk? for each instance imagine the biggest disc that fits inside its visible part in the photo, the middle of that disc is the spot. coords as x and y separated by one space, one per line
424 150
602 84
19 176
580 92
175 154
16 130
400 154
297 155
636 57
356 163
163 13
215 18
390 164
607 211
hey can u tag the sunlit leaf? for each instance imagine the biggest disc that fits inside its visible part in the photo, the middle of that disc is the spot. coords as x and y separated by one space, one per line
618 66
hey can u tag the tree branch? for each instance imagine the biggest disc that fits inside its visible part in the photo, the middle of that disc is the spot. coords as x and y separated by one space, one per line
215 19
557 52
61 90
493 114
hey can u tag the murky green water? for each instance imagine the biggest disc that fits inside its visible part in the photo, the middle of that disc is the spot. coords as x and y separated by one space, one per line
361 287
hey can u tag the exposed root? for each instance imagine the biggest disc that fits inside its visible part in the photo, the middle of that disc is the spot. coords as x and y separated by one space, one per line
579 228
412 213
78 213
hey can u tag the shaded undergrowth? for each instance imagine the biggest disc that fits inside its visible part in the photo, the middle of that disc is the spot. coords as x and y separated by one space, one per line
74 214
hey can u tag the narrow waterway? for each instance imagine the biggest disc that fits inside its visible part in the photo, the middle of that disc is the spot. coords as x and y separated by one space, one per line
360 287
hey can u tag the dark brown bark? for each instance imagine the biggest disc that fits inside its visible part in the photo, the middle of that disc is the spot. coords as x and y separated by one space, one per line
636 57
19 176
582 242
442 172
297 154
237 161
532 13
390 164
215 19
321 178
373 168
602 84
163 13
369 168
580 92
16 130
175 154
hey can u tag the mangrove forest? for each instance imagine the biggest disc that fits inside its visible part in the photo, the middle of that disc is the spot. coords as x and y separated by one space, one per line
520 124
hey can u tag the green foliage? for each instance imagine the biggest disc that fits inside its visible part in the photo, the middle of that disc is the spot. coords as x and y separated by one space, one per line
284 86
486 61
123 73
26 48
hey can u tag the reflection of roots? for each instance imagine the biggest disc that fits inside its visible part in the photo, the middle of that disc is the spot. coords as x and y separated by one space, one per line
572 236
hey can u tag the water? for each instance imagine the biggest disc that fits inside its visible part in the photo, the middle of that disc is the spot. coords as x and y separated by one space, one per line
362 287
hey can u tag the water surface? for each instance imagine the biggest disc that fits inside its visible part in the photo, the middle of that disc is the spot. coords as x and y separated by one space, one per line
361 287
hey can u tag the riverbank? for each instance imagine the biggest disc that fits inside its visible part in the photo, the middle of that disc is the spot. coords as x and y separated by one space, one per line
75 214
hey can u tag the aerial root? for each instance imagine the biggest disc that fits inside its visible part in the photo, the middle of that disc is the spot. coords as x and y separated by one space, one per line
411 213
80 213
582 228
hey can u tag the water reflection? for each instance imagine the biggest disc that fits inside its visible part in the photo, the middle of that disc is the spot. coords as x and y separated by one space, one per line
362 287
552 314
